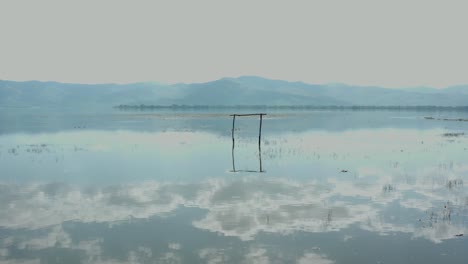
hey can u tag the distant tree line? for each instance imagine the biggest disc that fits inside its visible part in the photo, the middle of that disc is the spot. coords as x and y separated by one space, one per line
291 107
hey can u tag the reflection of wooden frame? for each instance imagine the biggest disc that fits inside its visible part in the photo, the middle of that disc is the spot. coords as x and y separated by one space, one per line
259 141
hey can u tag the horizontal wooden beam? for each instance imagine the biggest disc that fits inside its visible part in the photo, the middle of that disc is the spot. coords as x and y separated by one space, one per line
252 171
260 114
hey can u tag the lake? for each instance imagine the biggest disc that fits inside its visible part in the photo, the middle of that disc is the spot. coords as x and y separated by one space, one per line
169 187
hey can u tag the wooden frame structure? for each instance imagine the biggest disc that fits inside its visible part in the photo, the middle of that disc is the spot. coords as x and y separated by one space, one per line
259 141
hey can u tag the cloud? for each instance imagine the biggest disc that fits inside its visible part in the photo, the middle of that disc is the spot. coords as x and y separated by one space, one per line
313 258
213 255
243 207
16 261
256 255
174 246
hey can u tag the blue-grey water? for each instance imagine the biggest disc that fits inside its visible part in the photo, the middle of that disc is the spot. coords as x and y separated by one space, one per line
167 187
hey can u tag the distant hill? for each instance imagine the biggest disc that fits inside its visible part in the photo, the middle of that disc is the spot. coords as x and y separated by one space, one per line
246 90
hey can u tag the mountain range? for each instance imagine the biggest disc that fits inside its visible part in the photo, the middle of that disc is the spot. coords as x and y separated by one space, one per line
245 90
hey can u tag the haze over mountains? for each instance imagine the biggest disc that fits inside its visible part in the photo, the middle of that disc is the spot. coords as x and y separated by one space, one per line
246 90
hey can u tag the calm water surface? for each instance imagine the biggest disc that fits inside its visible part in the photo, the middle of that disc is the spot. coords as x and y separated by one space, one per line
167 187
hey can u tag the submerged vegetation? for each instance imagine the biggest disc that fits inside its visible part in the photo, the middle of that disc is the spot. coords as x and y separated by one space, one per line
446 119
453 134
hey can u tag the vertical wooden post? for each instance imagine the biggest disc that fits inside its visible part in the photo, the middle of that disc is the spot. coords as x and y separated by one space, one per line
260 131
232 152
259 142
260 157
232 131
233 162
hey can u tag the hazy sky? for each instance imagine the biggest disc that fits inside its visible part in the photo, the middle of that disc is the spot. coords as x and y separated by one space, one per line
388 43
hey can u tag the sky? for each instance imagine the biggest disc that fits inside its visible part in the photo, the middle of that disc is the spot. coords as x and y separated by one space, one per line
395 43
